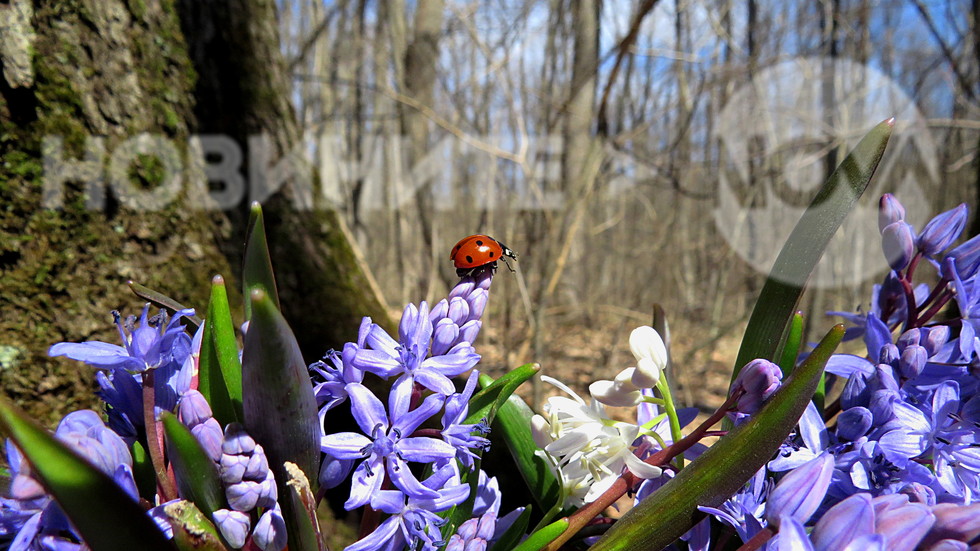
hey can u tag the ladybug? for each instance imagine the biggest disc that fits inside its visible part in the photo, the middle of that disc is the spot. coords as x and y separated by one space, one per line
479 251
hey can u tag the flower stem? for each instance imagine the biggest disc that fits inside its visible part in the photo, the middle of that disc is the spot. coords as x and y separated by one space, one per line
154 439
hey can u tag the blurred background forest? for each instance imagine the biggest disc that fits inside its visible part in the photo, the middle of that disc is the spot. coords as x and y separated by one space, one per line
632 153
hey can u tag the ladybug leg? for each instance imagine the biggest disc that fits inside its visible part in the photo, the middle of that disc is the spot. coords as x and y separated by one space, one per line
506 263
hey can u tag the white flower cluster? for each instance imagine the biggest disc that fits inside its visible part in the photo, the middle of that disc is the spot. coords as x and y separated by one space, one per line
587 449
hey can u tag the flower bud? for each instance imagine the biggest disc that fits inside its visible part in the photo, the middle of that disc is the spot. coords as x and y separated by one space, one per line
234 526
193 409
270 531
898 244
955 522
889 211
966 257
913 361
904 527
620 392
933 338
854 423
334 471
756 381
844 522
942 230
801 491
651 356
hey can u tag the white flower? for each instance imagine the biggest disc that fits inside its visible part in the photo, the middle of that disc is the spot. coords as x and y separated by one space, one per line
651 356
588 450
620 392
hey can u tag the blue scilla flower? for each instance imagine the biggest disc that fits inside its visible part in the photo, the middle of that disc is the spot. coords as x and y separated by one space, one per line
408 357
487 525
463 437
414 520
154 344
151 344
30 516
937 431
386 444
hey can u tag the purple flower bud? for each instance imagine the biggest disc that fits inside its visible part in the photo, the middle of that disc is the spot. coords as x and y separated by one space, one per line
843 523
908 338
801 491
757 381
334 471
244 495
889 211
882 405
270 531
209 435
933 338
237 441
258 465
913 361
234 526
966 257
898 244
854 423
444 336
268 493
889 355
948 545
955 522
856 392
193 409
233 468
459 310
942 230
904 527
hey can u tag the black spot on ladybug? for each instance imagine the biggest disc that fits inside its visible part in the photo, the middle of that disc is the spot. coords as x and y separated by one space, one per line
469 259
491 254
479 242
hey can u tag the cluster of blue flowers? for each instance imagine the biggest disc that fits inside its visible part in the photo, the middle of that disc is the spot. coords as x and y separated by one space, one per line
894 463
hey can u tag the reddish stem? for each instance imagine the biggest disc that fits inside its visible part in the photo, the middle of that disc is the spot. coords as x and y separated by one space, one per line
154 439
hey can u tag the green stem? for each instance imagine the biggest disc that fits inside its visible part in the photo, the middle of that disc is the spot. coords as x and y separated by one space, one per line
675 425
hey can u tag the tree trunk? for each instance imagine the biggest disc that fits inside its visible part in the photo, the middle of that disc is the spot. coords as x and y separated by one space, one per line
81 79
242 91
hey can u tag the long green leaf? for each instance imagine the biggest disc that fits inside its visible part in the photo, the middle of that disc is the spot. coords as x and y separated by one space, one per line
257 264
781 293
277 397
220 370
197 476
720 471
105 516
495 393
544 536
513 422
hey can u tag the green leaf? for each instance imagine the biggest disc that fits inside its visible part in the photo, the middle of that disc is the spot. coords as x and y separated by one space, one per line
509 539
544 536
192 529
790 349
257 264
143 473
277 398
197 476
105 516
720 471
494 393
220 370
781 293
513 423
163 301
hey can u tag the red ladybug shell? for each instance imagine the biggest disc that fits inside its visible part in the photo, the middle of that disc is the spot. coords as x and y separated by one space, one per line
478 250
